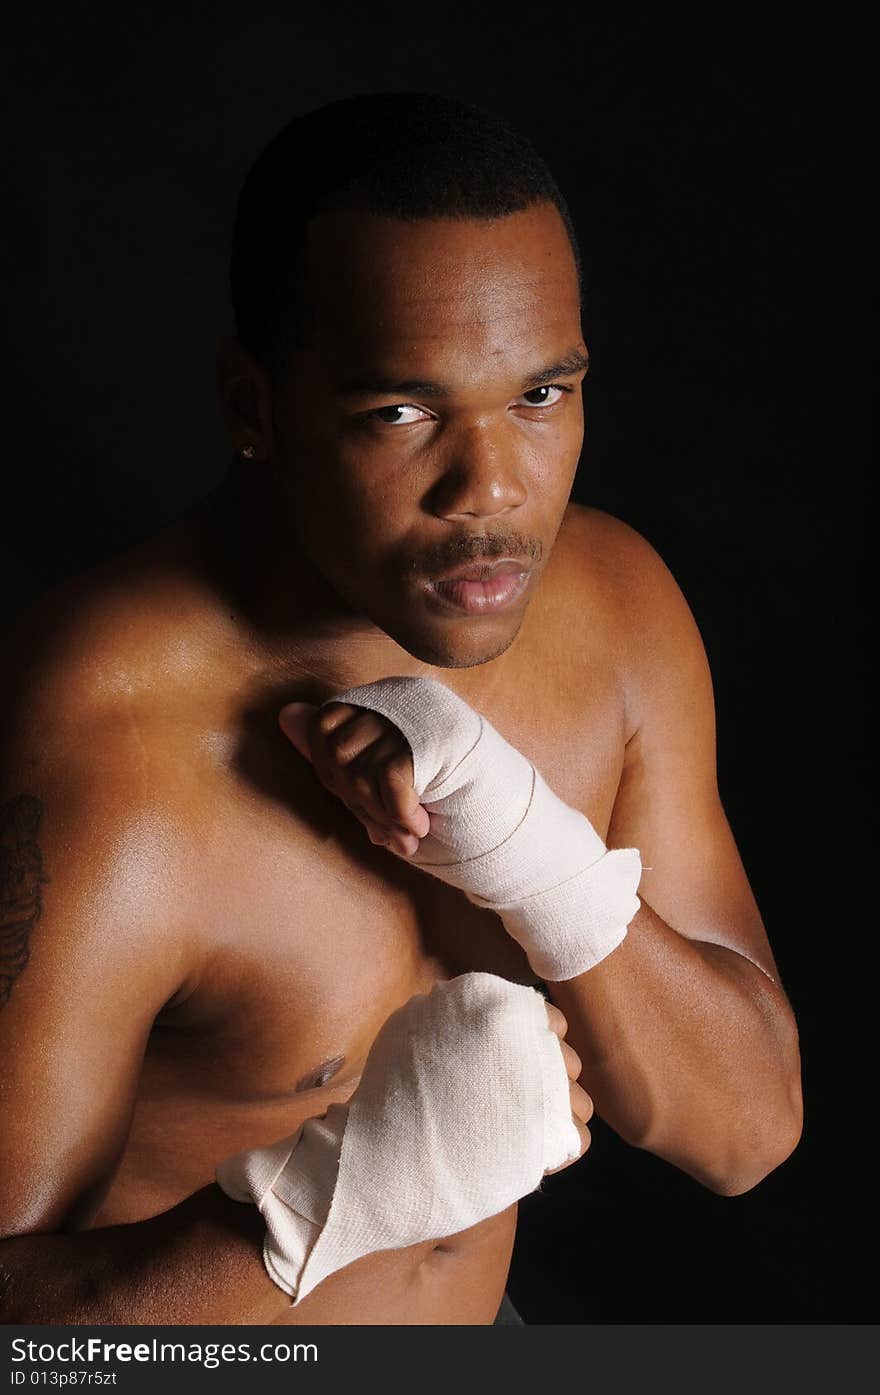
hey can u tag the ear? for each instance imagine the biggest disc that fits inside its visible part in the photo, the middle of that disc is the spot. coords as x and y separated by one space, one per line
294 722
245 395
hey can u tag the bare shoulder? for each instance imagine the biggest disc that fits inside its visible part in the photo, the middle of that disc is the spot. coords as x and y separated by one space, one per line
615 557
98 774
96 632
98 881
106 666
649 626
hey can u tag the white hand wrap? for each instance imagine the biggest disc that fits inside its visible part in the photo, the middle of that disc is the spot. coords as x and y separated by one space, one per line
500 834
462 1107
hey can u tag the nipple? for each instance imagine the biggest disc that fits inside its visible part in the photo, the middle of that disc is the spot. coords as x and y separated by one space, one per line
320 1075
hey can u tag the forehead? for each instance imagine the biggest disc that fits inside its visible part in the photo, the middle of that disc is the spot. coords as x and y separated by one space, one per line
387 289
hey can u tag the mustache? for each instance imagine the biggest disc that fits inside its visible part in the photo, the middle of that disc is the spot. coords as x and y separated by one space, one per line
479 547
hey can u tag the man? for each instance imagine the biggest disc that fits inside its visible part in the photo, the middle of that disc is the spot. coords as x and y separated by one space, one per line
205 924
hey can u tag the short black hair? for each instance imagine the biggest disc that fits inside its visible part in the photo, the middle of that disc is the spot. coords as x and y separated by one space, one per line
407 155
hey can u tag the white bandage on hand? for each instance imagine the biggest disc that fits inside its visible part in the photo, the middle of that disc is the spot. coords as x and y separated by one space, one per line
500 834
462 1107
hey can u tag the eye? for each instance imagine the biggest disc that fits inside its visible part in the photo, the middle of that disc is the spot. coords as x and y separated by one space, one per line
390 416
546 388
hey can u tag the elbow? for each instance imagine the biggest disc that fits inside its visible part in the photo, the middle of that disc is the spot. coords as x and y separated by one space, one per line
776 1129
746 1169
748 1178
733 1154
733 1140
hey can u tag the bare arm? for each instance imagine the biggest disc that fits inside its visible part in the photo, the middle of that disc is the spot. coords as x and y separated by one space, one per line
200 1262
689 1043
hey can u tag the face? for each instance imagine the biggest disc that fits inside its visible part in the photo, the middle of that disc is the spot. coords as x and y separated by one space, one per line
434 421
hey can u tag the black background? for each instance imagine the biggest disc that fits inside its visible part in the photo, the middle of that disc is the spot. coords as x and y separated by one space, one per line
714 166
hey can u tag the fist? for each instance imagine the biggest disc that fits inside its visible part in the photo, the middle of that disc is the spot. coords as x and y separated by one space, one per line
364 760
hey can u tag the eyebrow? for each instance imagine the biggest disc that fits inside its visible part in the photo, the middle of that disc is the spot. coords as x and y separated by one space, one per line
574 361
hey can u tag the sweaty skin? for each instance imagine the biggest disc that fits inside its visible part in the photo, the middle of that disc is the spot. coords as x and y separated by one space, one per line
211 882
199 940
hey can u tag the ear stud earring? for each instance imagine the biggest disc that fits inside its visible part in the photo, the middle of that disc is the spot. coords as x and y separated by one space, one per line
247 452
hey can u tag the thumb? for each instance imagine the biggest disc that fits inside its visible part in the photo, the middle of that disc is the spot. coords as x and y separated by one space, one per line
294 722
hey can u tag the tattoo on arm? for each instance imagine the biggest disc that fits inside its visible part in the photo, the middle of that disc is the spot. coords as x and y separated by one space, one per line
21 880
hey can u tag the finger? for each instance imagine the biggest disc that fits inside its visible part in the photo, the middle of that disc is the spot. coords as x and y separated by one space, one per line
294 722
347 731
377 834
331 715
581 1103
380 831
339 734
392 839
304 724
405 844
367 773
585 1136
358 786
344 743
556 1020
359 795
399 798
586 1140
572 1060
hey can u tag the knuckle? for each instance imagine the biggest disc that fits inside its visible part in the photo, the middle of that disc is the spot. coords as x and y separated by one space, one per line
363 788
398 771
556 1020
330 716
572 1060
343 746
399 755
356 740
362 764
581 1103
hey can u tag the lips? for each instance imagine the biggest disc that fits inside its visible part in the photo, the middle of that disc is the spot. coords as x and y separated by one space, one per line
481 571
480 589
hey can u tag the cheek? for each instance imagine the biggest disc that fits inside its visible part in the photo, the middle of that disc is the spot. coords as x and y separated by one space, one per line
354 518
569 443
345 496
549 459
379 488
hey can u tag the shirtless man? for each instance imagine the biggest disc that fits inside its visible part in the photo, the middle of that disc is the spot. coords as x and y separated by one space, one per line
200 939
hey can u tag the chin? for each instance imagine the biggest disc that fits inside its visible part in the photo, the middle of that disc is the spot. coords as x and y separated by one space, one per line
449 651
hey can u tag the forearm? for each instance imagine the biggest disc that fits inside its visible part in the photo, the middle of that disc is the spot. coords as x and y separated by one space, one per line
197 1263
689 1051
201 1262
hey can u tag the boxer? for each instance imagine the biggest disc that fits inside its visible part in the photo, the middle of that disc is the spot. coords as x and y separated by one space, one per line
310 801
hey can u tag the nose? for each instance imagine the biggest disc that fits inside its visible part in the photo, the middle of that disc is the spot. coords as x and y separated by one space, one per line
482 476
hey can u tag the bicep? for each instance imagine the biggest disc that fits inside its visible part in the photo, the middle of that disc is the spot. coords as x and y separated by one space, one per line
668 803
81 984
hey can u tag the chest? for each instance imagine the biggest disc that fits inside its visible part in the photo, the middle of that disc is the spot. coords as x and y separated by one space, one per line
311 935
307 936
